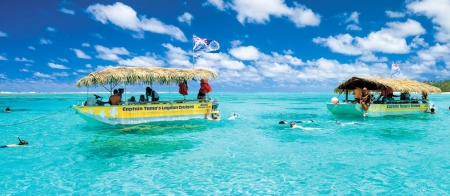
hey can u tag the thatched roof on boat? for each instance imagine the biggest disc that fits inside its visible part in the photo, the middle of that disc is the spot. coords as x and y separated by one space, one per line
138 75
397 85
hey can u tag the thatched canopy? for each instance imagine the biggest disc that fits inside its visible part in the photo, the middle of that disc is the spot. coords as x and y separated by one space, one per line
136 75
397 85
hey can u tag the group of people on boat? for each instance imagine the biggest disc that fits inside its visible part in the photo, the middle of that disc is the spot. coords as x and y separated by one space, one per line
150 95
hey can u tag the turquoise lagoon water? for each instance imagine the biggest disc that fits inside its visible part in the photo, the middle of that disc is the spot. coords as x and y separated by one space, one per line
252 155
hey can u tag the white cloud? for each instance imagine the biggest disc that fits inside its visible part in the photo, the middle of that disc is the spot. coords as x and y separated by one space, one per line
23 59
88 66
61 74
24 70
85 45
387 40
219 4
261 11
110 54
31 48
288 52
236 43
353 27
125 17
177 56
67 11
354 17
142 61
45 41
80 54
343 43
63 60
284 59
418 41
370 57
83 71
2 76
97 36
434 53
392 14
437 10
3 34
51 29
41 75
2 58
186 18
57 66
245 53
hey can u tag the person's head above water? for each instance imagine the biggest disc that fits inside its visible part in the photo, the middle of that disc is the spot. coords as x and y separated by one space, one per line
282 122
432 110
7 110
292 124
22 142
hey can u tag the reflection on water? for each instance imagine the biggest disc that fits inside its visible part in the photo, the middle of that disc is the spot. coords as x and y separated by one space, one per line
153 128
113 147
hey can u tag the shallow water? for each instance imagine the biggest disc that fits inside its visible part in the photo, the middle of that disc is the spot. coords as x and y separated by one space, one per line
252 155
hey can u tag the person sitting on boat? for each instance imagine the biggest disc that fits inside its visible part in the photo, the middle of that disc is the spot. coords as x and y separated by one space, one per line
357 94
142 99
114 99
404 96
205 88
214 116
153 94
132 99
365 100
121 90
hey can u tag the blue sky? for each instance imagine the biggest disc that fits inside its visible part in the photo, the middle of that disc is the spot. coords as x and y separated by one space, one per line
266 45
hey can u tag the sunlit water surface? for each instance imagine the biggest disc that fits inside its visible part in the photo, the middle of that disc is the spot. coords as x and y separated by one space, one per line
252 155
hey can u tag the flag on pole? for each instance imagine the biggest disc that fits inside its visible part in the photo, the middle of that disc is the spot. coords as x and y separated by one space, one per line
395 69
205 45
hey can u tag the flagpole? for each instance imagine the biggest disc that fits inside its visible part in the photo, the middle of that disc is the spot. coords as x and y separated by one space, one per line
193 52
391 68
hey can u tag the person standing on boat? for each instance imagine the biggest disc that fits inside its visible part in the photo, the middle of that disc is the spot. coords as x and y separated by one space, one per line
115 98
153 94
204 89
183 88
357 94
365 100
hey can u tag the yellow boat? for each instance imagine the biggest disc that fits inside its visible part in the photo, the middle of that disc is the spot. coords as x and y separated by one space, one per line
137 113
383 105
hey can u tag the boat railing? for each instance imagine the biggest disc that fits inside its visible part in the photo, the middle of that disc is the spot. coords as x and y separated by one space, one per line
163 102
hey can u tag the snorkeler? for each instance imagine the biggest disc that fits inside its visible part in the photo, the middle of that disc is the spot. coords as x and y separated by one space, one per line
21 143
232 117
7 109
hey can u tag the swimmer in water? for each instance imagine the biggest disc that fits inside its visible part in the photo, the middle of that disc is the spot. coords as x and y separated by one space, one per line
292 124
7 109
214 116
21 143
282 122
234 116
